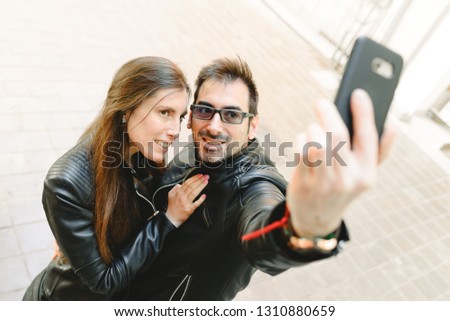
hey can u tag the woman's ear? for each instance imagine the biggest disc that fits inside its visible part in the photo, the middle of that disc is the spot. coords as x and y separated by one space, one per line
253 126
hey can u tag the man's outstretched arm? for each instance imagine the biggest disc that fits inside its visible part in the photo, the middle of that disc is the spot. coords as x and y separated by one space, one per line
318 195
319 191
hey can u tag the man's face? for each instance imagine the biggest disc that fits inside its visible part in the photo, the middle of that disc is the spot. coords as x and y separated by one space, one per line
214 139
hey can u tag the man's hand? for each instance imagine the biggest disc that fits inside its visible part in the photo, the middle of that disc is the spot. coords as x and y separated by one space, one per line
181 199
319 192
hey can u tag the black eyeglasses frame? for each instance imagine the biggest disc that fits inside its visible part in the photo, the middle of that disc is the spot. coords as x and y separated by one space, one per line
220 111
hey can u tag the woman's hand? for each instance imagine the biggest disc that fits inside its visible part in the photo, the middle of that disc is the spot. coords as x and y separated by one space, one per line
181 199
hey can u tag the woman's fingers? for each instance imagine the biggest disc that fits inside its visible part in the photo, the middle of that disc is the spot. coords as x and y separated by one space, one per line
199 202
181 203
198 187
194 185
191 180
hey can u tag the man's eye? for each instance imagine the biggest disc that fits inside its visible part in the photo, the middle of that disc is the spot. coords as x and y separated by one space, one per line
231 114
204 110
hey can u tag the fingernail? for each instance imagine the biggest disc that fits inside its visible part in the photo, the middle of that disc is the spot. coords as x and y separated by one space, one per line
206 178
360 94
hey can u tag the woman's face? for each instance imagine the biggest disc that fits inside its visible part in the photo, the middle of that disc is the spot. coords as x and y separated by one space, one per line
155 124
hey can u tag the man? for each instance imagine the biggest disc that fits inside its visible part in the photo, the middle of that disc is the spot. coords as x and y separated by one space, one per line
245 223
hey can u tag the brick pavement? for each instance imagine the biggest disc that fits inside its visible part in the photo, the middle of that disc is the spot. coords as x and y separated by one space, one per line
56 61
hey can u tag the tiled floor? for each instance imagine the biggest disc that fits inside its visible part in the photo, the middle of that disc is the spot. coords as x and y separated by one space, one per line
56 62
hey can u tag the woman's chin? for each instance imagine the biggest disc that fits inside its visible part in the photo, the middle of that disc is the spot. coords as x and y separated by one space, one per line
158 158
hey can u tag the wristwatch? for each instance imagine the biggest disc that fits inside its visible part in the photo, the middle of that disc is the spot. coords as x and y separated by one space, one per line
325 244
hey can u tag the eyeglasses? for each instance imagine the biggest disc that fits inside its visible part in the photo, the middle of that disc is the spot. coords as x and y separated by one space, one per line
228 116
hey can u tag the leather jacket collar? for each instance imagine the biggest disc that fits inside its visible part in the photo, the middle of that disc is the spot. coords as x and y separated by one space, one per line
187 162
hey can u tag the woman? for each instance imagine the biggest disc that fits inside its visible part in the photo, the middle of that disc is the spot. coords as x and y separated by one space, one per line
97 197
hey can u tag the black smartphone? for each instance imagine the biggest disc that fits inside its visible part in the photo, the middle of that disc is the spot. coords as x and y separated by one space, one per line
374 68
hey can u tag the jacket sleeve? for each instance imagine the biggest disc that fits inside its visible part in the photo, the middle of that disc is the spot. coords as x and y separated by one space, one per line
71 222
263 204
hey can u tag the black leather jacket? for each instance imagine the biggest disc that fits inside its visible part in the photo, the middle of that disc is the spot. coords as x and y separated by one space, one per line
205 259
82 274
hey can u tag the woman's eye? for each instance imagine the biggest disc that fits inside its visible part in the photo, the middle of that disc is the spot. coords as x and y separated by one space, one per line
164 113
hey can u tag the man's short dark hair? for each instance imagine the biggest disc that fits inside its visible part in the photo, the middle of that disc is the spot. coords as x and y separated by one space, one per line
227 70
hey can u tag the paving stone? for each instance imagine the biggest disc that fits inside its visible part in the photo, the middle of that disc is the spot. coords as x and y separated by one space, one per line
26 210
394 295
347 266
400 270
412 293
441 284
364 287
9 243
5 219
381 283
16 295
13 274
34 237
38 260
22 185
426 287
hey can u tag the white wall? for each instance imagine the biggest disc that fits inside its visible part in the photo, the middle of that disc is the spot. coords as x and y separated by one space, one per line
417 29
423 38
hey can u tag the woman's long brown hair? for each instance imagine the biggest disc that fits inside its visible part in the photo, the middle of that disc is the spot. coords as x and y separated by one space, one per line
116 214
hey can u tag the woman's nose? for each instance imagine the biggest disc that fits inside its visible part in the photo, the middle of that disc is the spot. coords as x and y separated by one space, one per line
174 129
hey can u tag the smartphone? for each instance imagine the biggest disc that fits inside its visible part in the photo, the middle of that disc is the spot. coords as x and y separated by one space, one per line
374 68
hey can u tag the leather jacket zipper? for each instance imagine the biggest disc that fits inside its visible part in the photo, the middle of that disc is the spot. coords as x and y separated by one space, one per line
155 212
206 217
172 184
186 280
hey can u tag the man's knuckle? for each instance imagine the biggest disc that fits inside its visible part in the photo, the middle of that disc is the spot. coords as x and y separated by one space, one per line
367 182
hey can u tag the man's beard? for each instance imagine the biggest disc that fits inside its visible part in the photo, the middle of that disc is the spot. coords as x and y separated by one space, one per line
212 156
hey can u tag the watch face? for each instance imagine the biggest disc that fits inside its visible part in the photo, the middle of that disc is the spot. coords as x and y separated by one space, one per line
326 245
316 244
